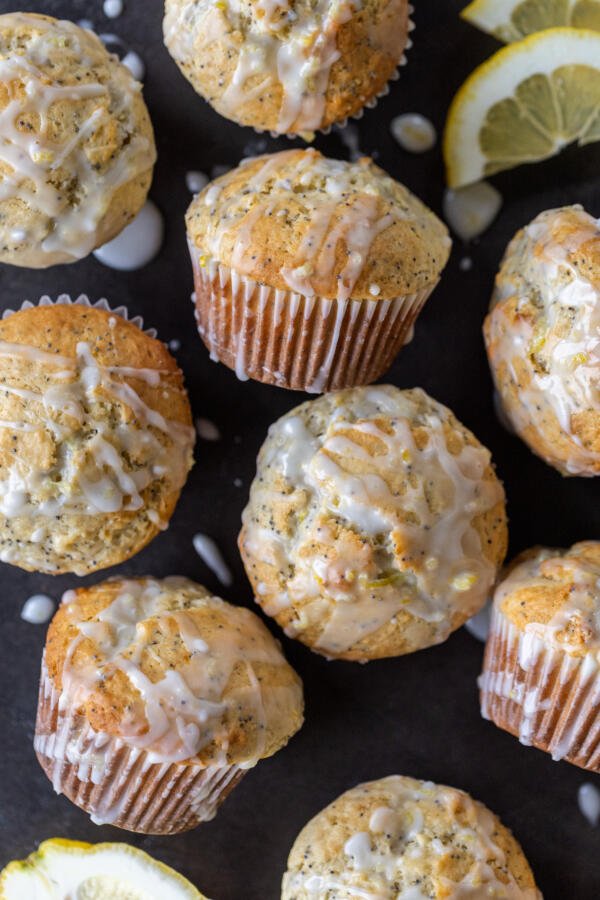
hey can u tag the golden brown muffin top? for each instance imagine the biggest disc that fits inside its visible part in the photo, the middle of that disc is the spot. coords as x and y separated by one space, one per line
96 438
399 837
555 595
77 141
375 523
174 671
298 221
542 337
290 66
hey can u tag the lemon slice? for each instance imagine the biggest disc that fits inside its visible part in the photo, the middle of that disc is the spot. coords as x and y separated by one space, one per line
526 103
62 869
511 20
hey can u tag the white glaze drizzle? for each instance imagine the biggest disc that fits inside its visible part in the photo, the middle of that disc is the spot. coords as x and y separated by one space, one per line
32 158
283 45
567 378
588 799
38 609
382 861
87 444
435 559
471 210
187 708
138 244
414 132
209 553
207 430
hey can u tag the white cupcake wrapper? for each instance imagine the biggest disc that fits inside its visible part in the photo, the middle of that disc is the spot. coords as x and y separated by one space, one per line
283 338
544 696
84 300
370 104
118 784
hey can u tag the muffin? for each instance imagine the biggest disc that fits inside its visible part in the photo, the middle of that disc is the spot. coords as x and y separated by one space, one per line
399 837
96 438
375 525
541 673
77 142
542 338
290 67
155 698
310 272
60 869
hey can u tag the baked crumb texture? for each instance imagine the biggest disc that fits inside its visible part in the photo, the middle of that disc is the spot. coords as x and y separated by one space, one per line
156 697
310 272
399 837
542 338
96 438
78 148
375 525
541 675
290 67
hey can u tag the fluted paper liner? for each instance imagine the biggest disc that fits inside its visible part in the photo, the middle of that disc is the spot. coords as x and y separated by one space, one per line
547 698
287 339
83 300
118 784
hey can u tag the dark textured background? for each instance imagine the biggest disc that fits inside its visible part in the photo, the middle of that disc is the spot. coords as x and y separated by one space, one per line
416 715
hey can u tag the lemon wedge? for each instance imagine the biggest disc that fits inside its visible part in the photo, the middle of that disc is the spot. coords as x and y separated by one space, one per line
62 869
511 20
526 103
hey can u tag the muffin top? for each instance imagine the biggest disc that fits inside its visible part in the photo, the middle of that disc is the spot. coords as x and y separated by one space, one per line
174 671
375 523
77 142
399 837
300 222
554 595
292 66
95 438
542 337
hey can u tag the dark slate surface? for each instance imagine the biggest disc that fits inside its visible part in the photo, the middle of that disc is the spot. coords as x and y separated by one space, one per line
415 715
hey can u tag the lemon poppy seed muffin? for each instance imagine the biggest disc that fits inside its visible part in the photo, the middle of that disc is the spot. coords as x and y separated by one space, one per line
310 272
292 66
375 524
400 837
96 438
155 698
541 674
77 142
542 336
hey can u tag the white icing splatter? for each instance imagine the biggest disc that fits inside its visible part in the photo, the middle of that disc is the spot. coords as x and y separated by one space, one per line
38 609
210 554
238 483
414 132
87 24
207 430
588 797
138 244
218 170
479 624
112 8
134 62
350 138
195 181
174 345
466 264
471 210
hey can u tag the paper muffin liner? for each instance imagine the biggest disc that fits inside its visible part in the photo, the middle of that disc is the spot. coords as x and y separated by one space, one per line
293 341
542 695
370 104
118 784
84 300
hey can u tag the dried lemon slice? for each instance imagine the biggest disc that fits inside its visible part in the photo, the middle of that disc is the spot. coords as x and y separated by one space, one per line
511 20
526 103
62 869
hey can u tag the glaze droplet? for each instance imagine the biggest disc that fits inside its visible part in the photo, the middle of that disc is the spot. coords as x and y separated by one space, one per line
588 797
196 181
210 554
414 132
137 245
112 8
38 609
470 211
207 430
135 64
479 624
